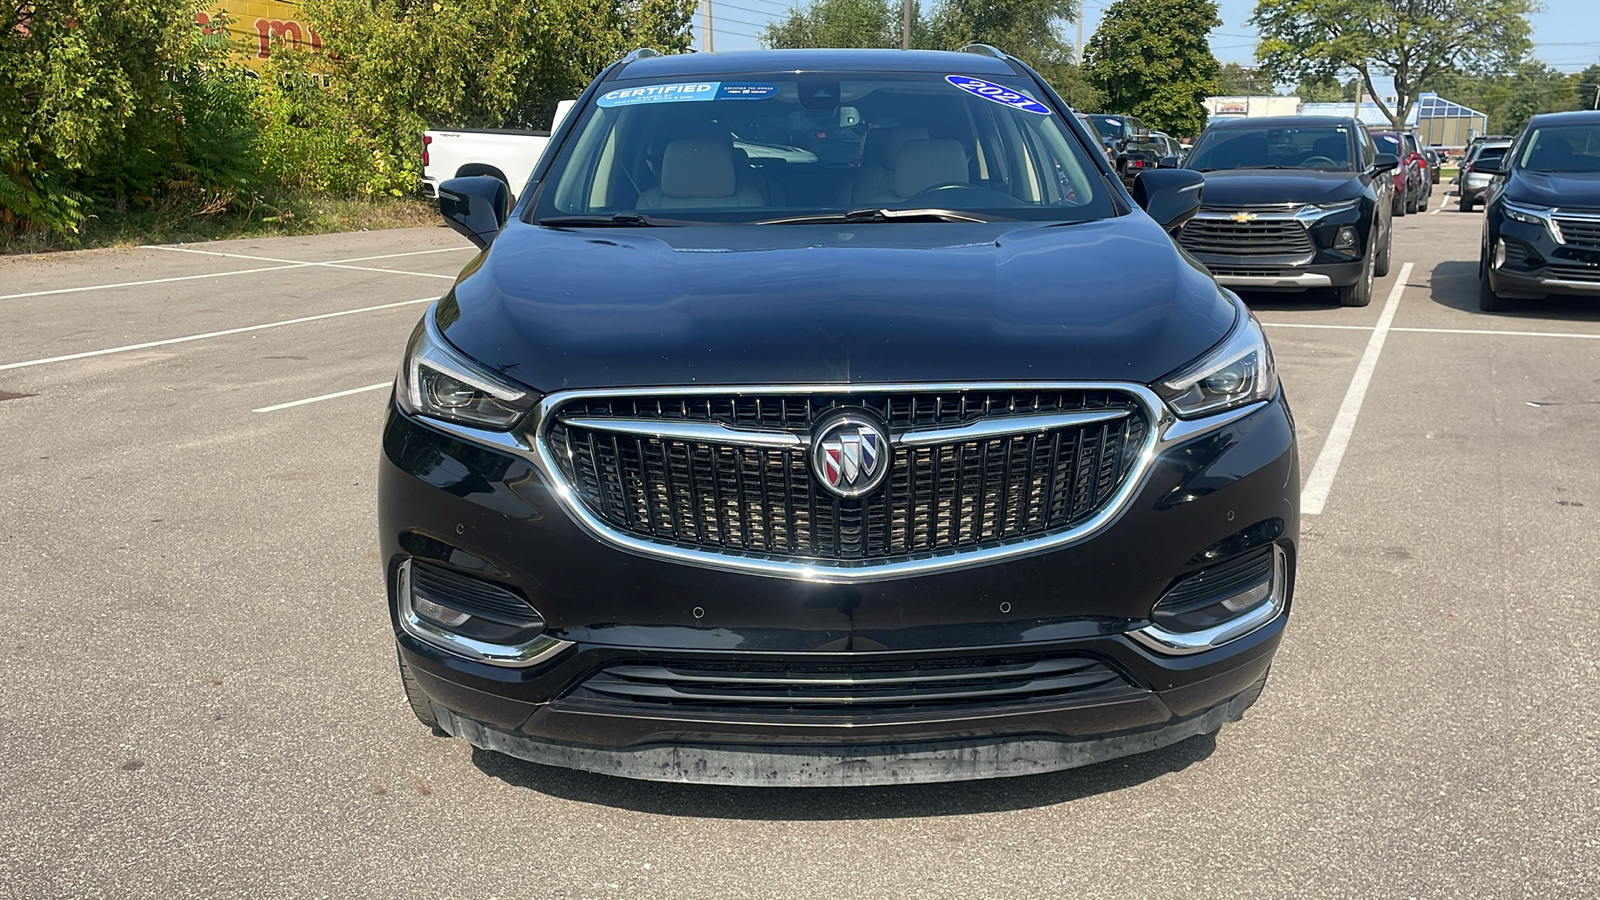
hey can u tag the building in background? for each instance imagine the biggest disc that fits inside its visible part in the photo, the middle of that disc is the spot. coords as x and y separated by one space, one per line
1437 122
1253 106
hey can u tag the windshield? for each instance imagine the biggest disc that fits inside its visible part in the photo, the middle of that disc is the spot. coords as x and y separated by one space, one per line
1568 148
1325 147
1112 128
779 147
1490 156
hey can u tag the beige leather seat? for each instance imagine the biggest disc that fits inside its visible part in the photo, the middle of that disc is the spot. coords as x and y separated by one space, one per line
880 154
699 173
921 165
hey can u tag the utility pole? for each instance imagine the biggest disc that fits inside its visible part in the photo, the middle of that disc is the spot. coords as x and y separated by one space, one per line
905 25
1080 33
1357 112
706 42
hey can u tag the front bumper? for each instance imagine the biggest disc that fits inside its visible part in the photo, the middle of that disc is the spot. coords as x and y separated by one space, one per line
1265 275
1526 262
485 512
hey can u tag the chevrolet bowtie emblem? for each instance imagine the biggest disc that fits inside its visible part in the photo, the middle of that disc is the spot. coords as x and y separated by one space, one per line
1242 217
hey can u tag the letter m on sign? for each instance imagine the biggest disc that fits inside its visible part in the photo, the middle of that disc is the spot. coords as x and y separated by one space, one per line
267 29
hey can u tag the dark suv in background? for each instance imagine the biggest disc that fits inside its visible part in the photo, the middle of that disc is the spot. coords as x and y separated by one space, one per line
793 473
1292 203
1541 228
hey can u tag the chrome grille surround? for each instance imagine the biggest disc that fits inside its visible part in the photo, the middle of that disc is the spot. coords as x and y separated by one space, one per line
1576 227
526 441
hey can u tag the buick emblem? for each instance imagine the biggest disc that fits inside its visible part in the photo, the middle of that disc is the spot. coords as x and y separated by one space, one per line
850 454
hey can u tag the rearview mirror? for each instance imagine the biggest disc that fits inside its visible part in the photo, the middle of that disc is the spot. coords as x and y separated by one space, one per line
1385 162
476 206
1170 196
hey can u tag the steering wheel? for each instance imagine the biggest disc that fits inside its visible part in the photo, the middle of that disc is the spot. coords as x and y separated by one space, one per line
948 186
1319 160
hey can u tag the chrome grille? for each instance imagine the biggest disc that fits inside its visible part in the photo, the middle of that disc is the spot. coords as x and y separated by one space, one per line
1582 231
727 495
1569 271
1263 237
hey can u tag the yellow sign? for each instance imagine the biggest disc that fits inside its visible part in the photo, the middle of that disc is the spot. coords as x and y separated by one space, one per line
256 25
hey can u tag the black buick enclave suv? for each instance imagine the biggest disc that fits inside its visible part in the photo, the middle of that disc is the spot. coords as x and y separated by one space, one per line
941 462
1292 203
1541 229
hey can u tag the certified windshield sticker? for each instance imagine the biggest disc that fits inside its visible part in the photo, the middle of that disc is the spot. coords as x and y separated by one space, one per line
661 93
747 91
998 94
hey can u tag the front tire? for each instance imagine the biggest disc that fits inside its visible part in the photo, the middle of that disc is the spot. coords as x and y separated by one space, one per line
421 706
1488 300
1381 267
1466 203
1360 293
1399 207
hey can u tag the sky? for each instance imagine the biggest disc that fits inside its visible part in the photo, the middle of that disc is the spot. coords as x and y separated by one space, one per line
1566 33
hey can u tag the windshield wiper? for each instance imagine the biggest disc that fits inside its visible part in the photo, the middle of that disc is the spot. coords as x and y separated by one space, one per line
619 220
871 214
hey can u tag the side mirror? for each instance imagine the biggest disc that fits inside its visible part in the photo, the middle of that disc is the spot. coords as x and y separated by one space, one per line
1169 162
476 206
1489 168
1385 162
1170 196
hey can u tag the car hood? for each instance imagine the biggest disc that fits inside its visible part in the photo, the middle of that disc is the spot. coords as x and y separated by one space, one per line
1250 187
870 303
1570 189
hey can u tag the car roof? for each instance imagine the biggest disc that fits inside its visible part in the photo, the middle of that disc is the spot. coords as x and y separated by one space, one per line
696 65
1577 117
1279 121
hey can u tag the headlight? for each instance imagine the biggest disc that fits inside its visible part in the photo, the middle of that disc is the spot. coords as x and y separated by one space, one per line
1535 215
1235 372
436 380
1317 210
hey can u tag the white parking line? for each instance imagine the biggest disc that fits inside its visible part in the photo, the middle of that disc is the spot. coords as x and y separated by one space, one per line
333 396
1443 202
1314 495
210 334
288 264
332 264
1544 334
120 284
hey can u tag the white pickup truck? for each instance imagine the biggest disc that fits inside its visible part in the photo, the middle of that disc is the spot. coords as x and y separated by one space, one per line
507 155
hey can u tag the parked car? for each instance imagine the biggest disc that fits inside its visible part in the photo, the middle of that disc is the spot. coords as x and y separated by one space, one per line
1119 132
1541 225
1477 173
1475 143
1291 203
1435 159
782 477
506 154
1410 179
1152 151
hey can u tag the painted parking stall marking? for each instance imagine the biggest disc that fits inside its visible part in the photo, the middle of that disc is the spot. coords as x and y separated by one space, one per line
998 94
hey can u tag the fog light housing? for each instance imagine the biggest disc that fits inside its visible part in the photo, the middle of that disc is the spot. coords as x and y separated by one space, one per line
1345 240
470 617
1219 604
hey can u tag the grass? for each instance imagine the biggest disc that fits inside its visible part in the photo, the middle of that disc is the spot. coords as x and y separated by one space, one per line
193 216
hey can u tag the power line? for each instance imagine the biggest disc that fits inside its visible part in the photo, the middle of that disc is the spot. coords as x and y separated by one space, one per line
759 12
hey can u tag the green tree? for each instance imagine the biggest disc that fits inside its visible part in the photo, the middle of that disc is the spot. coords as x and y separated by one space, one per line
1325 89
1033 31
1152 60
1413 41
1586 87
402 66
1238 81
1511 99
837 23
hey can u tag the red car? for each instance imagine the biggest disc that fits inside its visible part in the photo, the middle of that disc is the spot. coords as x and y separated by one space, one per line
1412 185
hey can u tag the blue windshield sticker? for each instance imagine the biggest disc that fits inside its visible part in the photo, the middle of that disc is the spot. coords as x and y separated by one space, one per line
661 93
998 94
747 91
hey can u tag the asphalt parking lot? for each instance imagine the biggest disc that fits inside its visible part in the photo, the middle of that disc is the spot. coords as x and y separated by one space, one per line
201 697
